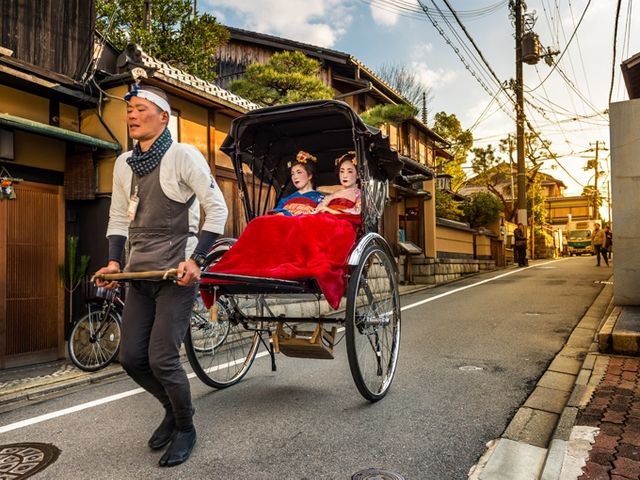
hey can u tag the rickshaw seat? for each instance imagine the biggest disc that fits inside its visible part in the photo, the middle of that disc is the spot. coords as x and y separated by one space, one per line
294 248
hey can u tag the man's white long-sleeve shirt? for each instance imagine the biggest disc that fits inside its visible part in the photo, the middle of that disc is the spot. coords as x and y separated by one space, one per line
183 173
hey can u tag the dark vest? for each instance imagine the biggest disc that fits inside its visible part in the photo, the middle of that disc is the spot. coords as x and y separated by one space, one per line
158 234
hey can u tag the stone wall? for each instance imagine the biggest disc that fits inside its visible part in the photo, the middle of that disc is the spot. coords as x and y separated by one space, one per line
431 271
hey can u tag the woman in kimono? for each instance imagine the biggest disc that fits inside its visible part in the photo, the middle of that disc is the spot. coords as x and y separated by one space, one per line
305 198
348 199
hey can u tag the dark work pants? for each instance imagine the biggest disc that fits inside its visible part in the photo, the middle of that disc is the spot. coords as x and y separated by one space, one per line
155 321
601 252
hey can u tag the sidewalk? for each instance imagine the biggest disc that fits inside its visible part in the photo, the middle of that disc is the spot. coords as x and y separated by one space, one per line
33 384
582 421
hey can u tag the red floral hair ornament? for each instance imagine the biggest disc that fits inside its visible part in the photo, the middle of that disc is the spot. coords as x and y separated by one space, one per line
303 157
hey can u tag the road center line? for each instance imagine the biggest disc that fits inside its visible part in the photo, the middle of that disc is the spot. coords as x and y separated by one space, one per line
135 391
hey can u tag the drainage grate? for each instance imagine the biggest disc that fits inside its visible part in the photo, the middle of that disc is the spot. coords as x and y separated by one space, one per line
376 474
21 460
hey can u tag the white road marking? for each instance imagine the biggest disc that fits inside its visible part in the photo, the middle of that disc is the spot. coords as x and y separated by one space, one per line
112 398
84 406
481 282
66 411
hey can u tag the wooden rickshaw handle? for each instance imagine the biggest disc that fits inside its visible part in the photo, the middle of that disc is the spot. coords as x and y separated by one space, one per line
171 274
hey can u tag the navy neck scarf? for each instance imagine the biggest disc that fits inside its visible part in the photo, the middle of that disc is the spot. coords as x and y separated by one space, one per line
143 163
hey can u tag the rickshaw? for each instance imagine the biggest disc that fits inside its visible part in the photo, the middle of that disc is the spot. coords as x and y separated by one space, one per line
251 310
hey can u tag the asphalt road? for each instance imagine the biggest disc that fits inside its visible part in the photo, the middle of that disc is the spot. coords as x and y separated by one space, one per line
471 353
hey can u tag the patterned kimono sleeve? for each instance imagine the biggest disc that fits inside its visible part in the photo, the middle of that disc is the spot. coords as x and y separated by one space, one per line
357 206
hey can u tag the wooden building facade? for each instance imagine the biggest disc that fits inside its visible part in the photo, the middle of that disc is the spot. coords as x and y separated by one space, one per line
44 152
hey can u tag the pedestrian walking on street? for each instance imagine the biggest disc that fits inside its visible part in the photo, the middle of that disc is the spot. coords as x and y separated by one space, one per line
520 249
598 240
608 243
158 190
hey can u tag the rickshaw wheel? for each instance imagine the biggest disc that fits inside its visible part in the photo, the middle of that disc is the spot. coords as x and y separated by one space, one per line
373 322
221 363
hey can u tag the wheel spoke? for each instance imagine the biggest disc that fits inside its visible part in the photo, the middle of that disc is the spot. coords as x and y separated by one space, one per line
374 340
220 350
94 341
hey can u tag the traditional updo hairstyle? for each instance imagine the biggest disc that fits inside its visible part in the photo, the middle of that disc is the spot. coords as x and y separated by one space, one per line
308 162
350 156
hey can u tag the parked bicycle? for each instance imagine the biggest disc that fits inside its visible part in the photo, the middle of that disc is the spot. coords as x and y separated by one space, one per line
95 339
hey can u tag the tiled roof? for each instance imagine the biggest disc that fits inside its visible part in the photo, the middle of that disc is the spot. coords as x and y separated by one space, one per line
198 83
631 73
315 50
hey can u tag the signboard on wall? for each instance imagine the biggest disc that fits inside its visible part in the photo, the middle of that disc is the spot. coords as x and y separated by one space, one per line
410 248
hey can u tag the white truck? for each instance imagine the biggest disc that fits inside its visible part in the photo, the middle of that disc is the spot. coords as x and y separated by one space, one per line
579 237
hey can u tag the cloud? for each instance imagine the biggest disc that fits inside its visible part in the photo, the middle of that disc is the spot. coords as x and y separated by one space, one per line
432 78
317 22
383 17
421 49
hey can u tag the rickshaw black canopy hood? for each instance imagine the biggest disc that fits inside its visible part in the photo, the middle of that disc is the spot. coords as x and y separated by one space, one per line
269 139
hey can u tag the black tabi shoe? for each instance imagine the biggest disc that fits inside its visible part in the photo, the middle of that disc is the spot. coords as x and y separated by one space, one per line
164 433
180 449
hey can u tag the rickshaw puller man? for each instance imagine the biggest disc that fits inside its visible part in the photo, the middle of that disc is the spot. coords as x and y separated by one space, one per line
158 189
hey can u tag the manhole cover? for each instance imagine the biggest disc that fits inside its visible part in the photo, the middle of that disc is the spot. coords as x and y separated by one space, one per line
21 460
376 474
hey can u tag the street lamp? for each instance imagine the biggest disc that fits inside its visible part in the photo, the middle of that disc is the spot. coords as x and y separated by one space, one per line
443 181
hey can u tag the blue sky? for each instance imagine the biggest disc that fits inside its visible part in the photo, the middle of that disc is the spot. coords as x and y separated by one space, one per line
567 108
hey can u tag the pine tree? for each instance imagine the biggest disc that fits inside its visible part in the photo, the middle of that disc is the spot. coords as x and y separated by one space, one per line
174 34
286 78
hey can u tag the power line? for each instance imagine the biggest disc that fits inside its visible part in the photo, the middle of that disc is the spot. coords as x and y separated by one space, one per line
431 17
615 39
475 46
566 46
411 9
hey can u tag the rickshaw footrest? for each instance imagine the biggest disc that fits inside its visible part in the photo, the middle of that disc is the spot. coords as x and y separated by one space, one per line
316 344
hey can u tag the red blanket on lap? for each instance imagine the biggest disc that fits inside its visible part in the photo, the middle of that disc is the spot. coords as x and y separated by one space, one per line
294 248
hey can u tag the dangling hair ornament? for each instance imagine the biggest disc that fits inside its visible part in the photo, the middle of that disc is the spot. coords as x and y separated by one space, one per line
346 156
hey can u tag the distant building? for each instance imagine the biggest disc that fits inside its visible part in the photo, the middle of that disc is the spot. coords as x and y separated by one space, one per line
561 210
503 183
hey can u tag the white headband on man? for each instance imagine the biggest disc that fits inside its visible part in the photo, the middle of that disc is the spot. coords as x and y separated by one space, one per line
152 97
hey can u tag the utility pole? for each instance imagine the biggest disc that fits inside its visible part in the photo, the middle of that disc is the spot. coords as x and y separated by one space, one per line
424 107
596 214
596 167
522 177
513 189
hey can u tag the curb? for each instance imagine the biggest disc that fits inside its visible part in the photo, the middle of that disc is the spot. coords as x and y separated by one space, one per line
43 388
620 334
534 444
